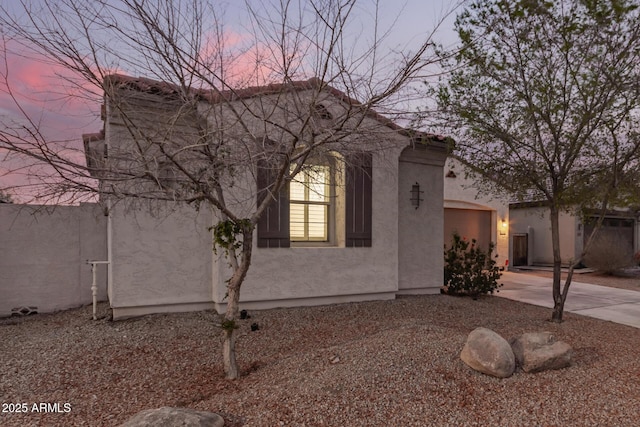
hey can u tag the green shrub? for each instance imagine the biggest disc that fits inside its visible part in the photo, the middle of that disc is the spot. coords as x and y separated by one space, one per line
468 270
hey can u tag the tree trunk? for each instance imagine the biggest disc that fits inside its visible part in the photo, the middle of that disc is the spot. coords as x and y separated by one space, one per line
558 297
229 345
233 306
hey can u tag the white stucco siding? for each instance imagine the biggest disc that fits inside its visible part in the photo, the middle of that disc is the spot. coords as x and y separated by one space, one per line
160 259
166 261
297 273
420 230
43 254
525 219
286 276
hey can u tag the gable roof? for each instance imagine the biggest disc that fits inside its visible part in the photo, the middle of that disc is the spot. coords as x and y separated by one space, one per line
150 86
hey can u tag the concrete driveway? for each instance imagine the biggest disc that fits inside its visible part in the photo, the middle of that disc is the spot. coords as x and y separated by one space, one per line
616 305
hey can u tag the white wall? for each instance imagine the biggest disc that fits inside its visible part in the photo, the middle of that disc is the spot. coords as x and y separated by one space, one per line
420 231
166 263
537 219
43 254
320 275
461 192
160 260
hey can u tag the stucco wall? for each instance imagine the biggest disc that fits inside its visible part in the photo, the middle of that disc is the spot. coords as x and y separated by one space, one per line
161 259
524 219
166 263
461 192
420 230
43 254
315 275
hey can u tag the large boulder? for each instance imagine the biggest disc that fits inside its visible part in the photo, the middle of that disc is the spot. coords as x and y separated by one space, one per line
174 417
540 351
489 353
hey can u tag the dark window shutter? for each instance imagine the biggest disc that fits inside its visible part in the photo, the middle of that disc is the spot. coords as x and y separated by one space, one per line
358 200
273 225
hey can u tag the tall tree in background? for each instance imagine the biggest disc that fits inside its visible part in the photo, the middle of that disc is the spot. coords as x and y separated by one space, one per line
544 101
200 71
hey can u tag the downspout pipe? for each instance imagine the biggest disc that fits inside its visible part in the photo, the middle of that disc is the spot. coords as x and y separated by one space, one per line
94 283
109 250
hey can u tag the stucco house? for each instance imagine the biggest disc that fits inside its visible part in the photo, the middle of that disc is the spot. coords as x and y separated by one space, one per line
367 233
531 233
472 214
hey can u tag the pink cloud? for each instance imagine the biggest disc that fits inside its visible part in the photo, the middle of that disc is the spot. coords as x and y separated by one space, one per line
33 96
248 61
62 110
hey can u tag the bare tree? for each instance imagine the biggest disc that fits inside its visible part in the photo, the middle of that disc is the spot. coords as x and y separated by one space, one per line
545 98
211 129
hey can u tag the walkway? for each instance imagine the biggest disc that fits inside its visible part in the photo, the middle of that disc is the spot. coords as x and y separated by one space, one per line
616 305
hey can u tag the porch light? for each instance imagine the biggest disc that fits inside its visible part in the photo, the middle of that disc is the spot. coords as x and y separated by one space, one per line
415 195
503 229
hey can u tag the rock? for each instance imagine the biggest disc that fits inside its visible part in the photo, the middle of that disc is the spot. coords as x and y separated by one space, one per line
489 353
174 417
539 351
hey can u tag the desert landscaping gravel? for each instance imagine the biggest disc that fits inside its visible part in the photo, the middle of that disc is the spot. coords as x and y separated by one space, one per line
391 363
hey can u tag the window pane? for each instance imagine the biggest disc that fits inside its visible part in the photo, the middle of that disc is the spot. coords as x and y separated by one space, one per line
296 218
318 184
309 220
317 222
296 190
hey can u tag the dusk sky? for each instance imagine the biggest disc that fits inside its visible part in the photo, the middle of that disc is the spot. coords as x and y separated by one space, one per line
44 97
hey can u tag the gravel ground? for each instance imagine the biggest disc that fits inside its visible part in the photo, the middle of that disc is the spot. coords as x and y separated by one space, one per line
393 363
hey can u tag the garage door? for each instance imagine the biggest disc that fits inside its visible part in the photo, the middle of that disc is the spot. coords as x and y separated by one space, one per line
469 223
618 230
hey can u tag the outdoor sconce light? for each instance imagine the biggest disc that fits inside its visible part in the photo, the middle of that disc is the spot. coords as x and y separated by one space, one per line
504 223
415 195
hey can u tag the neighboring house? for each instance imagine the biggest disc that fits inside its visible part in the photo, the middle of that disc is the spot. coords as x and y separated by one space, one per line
473 215
531 233
340 233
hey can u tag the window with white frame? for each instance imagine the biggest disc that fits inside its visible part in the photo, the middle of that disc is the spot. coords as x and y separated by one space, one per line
310 204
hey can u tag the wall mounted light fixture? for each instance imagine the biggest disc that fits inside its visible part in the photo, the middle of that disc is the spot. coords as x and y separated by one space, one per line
503 229
415 195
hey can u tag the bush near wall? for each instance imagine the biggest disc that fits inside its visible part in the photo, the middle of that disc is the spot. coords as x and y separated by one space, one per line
468 270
